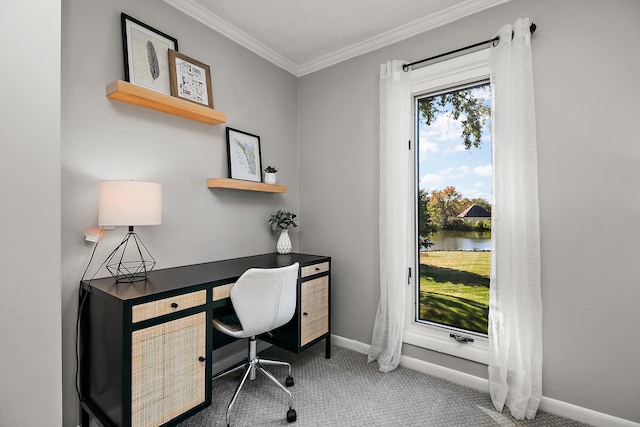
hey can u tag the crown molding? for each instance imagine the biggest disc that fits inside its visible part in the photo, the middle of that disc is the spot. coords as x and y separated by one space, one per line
213 21
438 19
397 34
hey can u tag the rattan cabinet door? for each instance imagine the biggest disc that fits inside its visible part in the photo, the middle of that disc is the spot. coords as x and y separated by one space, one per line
315 309
167 375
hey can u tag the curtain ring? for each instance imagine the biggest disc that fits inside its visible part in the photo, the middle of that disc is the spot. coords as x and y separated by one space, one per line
496 41
405 67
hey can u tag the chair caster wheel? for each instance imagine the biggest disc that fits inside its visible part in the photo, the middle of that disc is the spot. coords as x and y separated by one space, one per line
289 381
291 415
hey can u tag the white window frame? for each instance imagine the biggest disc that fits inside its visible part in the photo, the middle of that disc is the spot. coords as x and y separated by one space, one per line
465 69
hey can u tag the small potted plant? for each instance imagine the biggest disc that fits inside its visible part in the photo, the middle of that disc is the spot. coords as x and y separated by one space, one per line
270 175
282 221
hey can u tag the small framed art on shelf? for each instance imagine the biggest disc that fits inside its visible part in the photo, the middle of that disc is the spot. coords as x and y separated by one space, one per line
243 155
190 79
146 60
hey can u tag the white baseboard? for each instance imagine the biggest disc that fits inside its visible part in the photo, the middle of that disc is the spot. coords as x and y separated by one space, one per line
553 406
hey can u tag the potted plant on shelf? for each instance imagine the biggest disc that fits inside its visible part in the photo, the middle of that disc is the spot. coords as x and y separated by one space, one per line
282 221
270 175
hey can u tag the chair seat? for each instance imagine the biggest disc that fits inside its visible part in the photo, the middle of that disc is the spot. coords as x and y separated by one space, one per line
230 325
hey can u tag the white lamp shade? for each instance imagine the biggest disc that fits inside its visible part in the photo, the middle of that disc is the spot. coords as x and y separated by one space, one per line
129 203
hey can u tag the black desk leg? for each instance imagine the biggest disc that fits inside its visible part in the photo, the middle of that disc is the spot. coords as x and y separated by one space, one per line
327 349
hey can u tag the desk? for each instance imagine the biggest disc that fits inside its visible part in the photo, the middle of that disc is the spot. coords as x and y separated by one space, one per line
146 347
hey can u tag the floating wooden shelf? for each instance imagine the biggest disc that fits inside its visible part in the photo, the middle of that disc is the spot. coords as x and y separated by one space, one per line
238 184
138 95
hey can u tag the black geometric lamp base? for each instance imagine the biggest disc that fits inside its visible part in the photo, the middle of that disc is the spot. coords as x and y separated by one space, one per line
133 265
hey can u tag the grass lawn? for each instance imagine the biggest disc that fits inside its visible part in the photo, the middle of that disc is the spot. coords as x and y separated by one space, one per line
454 288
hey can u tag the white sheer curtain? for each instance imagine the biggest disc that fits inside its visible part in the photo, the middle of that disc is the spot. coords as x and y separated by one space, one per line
395 188
515 315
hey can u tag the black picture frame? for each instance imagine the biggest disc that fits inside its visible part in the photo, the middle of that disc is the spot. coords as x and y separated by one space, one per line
146 54
244 155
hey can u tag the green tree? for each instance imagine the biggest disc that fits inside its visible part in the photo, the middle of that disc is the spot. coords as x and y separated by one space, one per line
444 206
426 228
460 102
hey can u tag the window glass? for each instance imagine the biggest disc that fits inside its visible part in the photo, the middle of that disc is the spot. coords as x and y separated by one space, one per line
454 207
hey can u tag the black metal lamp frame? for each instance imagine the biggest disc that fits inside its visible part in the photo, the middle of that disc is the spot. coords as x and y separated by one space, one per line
130 271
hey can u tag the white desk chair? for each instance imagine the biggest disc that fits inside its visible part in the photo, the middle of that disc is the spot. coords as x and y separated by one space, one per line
263 300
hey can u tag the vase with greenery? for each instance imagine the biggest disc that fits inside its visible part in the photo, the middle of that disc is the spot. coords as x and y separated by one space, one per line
282 221
270 175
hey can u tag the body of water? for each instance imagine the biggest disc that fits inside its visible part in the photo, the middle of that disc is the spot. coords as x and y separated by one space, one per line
449 240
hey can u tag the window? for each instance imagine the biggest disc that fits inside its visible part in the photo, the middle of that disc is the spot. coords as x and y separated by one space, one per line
450 289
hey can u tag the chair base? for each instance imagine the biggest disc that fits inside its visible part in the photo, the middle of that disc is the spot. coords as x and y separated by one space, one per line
251 366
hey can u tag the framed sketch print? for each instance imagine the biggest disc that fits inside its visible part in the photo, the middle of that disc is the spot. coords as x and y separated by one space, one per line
243 154
146 60
190 79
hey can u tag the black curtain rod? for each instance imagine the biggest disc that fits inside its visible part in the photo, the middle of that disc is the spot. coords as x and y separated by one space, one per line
493 41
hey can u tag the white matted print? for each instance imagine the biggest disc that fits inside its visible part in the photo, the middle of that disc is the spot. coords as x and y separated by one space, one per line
190 79
146 60
243 153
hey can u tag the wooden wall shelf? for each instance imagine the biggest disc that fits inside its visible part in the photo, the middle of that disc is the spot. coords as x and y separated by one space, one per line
138 95
238 184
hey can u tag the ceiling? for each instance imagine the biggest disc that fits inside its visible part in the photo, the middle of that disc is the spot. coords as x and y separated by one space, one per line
303 36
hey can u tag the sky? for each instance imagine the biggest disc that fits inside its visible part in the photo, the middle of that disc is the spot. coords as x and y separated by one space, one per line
443 161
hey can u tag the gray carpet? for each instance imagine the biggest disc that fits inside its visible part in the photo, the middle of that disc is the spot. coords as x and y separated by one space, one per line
347 391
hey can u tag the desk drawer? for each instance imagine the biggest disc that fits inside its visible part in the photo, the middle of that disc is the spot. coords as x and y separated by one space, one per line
310 270
222 292
173 304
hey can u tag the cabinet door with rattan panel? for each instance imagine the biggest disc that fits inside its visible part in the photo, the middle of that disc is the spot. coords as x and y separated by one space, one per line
315 309
167 375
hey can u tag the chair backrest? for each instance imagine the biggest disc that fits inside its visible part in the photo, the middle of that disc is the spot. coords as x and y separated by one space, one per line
265 298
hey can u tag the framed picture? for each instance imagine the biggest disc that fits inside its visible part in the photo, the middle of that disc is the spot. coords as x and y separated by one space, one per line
190 79
146 60
243 154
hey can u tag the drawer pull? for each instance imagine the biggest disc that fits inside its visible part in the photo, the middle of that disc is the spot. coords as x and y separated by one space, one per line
174 305
317 268
201 359
305 314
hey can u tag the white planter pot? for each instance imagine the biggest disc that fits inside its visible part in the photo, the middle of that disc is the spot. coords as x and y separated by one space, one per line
283 246
269 178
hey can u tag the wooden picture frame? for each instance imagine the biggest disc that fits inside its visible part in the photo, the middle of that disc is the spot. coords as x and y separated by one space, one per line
243 155
146 60
190 79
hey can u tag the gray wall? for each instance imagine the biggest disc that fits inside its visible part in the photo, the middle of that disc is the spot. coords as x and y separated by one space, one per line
105 139
30 355
586 68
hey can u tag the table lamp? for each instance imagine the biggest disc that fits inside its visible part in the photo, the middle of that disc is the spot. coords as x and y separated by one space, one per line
129 203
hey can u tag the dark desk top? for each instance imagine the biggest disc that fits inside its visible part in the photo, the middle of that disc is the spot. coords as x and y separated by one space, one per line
197 275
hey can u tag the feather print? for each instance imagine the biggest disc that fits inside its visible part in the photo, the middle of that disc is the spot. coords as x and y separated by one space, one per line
154 66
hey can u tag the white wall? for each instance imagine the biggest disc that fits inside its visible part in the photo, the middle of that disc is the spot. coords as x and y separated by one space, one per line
586 68
105 139
30 330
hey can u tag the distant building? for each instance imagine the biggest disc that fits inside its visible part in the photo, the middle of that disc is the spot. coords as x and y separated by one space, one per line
475 213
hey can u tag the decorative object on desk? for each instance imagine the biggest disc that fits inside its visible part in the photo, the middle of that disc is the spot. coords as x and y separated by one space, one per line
129 203
243 155
270 175
281 221
146 60
190 79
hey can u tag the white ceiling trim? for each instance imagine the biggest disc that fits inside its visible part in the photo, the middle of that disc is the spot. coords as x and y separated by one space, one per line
440 18
216 23
400 33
